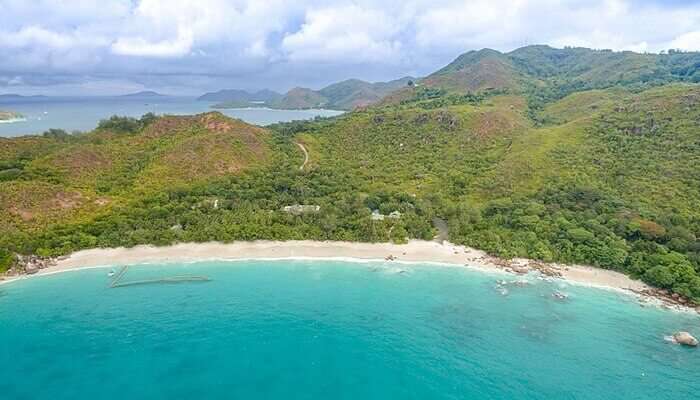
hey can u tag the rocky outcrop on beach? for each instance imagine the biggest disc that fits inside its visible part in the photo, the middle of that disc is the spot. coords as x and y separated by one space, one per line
667 299
523 266
30 265
548 271
685 339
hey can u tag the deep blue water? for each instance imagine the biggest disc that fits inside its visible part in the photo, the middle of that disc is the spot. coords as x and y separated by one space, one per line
84 113
333 330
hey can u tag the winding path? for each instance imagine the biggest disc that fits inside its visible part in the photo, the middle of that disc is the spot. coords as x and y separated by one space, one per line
306 156
443 230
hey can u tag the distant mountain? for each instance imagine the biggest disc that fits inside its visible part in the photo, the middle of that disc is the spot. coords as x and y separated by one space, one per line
353 93
554 73
476 70
13 96
301 98
345 95
145 93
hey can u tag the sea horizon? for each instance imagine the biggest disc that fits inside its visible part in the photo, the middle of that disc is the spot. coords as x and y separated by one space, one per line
83 113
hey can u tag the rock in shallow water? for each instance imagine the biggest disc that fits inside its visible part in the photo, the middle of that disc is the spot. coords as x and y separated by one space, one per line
685 339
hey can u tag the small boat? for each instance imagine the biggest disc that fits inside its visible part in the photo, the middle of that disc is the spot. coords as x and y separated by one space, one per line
111 273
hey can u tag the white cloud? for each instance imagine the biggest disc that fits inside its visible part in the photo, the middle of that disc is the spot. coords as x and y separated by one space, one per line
137 46
175 28
314 40
37 36
688 41
350 33
458 23
34 46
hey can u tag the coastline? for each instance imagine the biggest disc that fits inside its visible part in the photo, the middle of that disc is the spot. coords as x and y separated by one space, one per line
415 251
12 120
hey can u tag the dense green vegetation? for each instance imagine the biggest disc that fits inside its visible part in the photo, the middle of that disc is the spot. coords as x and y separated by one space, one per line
119 124
611 181
605 177
6 259
544 74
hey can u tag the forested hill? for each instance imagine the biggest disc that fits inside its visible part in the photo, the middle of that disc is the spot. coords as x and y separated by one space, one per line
605 176
550 74
345 95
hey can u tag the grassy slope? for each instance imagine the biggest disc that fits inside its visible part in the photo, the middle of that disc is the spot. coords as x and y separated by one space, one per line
60 181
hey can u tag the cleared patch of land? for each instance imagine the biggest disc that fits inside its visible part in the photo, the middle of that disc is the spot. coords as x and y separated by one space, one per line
306 156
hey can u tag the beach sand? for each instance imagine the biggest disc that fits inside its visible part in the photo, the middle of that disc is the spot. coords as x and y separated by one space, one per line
413 251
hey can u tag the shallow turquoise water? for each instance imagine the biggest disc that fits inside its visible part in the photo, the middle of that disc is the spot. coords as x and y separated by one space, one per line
333 330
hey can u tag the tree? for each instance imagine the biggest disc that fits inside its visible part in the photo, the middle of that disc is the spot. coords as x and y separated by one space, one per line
647 229
53 133
6 259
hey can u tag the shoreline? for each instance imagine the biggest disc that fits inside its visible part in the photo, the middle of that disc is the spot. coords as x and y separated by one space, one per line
415 251
12 120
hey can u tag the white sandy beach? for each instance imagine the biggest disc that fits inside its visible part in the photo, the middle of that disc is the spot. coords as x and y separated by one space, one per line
414 251
12 120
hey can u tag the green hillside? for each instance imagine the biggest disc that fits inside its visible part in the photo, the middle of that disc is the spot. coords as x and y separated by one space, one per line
605 176
60 178
614 183
300 98
547 74
354 93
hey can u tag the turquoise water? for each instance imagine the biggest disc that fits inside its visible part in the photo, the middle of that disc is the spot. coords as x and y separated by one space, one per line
333 330
83 114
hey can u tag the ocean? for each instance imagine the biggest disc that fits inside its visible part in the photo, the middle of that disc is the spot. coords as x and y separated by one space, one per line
319 329
84 113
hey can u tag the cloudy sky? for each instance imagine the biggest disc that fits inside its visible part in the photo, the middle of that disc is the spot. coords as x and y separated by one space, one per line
190 46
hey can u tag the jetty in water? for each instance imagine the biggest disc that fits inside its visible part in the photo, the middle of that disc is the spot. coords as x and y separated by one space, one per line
117 280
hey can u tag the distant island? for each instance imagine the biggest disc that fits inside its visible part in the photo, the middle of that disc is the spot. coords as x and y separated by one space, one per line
7 116
145 93
346 95
19 97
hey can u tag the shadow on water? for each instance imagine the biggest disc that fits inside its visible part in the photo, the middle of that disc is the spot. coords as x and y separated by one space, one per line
538 329
460 320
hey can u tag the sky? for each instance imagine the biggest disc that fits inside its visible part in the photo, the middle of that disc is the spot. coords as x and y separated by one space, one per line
104 47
